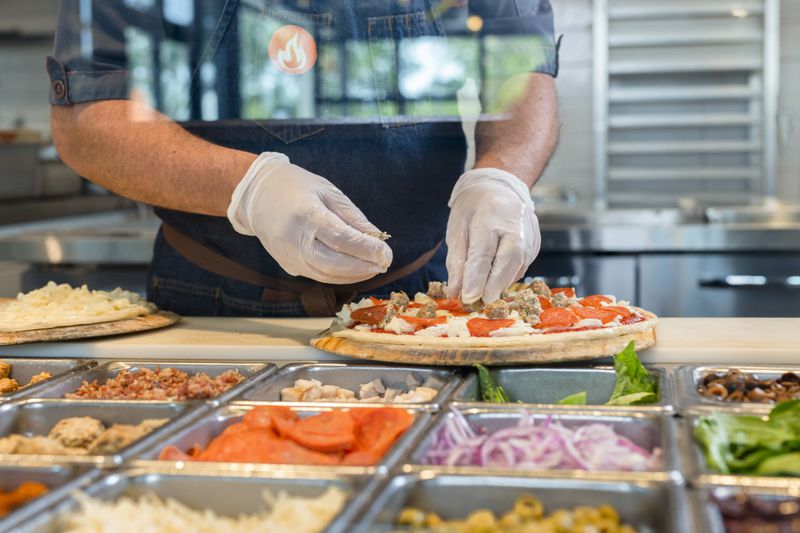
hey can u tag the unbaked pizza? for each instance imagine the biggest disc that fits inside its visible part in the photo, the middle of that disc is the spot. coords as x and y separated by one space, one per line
529 315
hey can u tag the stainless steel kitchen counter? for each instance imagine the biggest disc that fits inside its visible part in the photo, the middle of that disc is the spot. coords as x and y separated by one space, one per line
127 238
120 238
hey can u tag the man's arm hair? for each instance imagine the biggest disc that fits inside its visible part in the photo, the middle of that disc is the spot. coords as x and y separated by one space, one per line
524 140
136 152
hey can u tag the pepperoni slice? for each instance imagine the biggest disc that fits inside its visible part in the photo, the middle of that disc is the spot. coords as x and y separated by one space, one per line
379 428
603 315
333 431
376 301
569 292
286 452
422 323
633 319
361 458
262 418
595 300
372 315
171 453
545 302
283 418
481 327
624 312
449 304
556 317
244 447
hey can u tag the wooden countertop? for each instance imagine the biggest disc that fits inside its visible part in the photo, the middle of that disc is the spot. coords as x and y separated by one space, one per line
680 340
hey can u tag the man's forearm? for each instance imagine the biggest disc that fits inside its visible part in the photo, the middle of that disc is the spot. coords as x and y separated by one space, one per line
138 153
522 143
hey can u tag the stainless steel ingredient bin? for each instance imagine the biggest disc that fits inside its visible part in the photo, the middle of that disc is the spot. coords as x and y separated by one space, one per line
23 370
206 428
544 386
646 430
351 376
648 506
225 494
253 372
37 417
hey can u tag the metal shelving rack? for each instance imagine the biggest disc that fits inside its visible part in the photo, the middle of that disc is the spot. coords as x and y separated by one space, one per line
685 100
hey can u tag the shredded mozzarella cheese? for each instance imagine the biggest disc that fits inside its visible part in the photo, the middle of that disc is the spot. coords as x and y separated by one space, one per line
439 330
457 327
399 326
588 323
65 302
519 328
154 515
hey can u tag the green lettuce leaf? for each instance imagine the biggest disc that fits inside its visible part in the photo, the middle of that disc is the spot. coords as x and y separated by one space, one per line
636 398
748 444
632 379
489 389
579 398
787 464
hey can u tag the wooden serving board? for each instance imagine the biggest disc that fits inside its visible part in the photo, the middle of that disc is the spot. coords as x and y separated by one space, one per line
161 319
556 352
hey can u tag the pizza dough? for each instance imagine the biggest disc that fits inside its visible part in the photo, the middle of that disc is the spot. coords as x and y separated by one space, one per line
55 306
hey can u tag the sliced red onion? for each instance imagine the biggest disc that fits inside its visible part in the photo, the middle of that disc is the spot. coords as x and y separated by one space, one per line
548 445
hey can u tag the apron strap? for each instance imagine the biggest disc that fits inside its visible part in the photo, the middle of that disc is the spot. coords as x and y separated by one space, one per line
317 299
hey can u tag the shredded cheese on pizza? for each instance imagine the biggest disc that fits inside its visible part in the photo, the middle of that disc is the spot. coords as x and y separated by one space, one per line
65 302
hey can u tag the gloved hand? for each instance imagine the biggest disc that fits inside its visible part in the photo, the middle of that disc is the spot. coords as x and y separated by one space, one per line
306 224
492 234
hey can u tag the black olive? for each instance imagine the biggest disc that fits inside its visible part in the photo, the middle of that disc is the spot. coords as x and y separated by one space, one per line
766 507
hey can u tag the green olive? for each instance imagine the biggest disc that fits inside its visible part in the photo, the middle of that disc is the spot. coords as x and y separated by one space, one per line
481 521
411 516
528 507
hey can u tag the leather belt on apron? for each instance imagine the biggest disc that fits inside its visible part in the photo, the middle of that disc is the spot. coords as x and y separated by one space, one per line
317 299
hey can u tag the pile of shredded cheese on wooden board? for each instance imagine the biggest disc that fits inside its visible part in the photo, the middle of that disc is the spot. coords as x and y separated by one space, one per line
61 305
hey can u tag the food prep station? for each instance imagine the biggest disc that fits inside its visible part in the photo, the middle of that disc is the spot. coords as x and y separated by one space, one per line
678 497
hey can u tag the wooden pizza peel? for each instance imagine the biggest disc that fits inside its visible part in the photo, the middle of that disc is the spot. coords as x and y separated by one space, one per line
160 319
556 352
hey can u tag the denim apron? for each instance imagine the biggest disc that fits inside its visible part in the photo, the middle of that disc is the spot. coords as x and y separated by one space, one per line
398 170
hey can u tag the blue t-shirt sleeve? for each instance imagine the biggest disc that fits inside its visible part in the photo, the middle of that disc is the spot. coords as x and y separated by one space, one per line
88 62
527 25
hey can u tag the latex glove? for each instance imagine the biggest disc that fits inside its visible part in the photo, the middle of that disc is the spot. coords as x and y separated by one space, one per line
306 224
492 234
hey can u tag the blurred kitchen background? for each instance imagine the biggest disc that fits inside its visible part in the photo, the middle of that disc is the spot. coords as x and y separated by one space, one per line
676 182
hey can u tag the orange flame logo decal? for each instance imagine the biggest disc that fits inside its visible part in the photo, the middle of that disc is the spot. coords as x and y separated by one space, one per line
293 50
